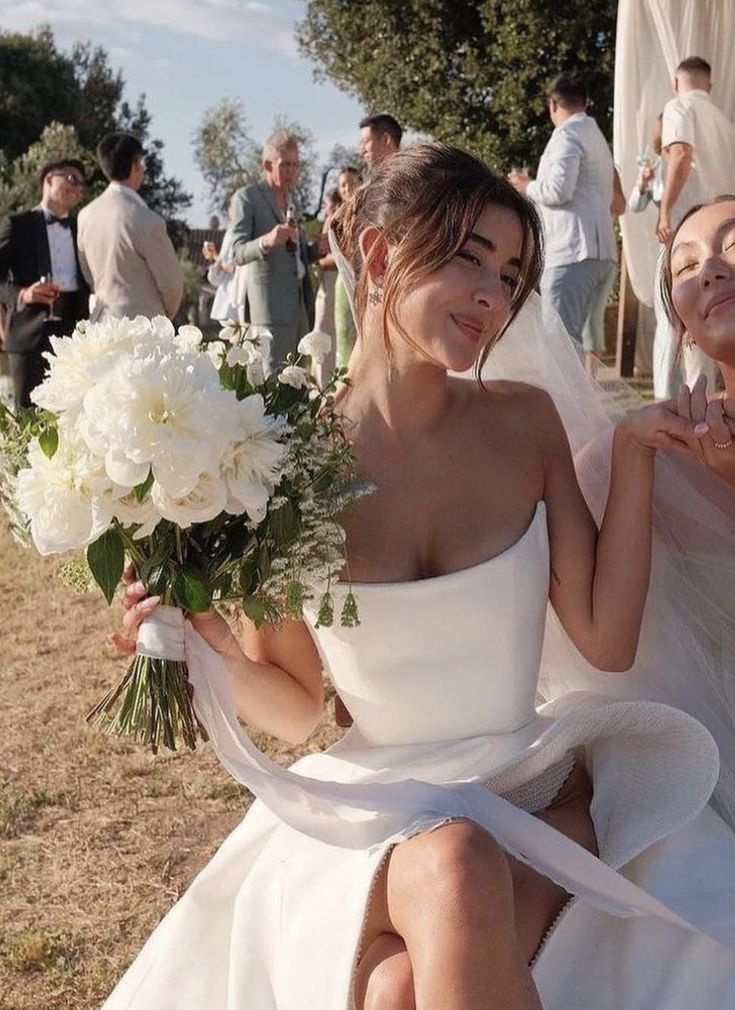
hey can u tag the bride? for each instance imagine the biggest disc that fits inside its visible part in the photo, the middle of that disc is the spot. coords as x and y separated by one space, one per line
459 848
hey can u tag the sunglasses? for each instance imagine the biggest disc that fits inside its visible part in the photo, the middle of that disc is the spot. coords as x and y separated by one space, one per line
72 179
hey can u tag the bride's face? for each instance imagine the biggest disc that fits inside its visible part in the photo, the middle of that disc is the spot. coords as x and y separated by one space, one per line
453 312
703 279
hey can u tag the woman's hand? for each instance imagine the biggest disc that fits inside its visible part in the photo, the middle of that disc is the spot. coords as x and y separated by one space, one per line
660 426
715 421
138 605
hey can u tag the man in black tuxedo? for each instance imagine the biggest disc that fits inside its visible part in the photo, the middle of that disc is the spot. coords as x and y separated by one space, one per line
40 275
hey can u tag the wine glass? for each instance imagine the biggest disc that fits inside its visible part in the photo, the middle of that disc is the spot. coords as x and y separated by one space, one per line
51 315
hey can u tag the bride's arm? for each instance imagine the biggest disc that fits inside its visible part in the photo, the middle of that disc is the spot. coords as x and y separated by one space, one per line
275 674
599 580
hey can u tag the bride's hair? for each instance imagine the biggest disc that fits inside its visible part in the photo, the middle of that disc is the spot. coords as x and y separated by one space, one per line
667 281
426 200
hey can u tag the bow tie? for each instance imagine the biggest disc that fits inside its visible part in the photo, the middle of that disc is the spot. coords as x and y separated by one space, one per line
65 222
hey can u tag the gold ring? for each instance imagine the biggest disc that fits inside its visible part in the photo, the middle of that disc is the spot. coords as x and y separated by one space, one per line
722 445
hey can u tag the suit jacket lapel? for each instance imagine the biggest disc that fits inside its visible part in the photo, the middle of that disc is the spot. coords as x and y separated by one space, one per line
40 238
271 201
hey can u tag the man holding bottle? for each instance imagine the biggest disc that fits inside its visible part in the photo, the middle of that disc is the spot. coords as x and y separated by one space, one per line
275 287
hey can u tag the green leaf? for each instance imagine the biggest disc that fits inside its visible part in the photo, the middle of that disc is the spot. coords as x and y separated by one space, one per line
141 490
255 610
191 589
106 559
49 442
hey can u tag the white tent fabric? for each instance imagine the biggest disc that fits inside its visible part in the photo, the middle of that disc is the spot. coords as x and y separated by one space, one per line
653 36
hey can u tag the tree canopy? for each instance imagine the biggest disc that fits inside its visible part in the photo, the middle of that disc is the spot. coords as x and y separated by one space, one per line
469 72
228 157
56 104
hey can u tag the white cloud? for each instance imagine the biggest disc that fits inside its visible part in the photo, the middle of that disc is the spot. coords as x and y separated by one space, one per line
236 21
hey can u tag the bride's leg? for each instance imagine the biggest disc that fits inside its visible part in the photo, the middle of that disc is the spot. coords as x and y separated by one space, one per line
448 894
386 971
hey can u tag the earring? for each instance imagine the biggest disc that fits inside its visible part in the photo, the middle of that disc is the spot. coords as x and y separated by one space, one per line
375 296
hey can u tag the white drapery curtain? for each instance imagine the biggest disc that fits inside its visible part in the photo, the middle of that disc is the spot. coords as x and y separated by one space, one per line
653 36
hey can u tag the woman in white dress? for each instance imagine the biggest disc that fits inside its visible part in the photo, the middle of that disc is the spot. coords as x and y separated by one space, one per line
445 853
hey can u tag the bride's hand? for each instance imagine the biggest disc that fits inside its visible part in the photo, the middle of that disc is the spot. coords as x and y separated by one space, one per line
717 443
659 426
138 605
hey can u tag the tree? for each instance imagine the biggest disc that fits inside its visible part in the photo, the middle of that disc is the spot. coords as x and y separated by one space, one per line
225 152
473 73
229 158
44 92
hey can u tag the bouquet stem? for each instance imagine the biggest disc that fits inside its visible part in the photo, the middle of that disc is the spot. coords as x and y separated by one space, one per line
156 706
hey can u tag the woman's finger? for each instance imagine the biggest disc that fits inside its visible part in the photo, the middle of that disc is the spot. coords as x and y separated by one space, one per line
728 408
129 574
125 646
698 400
132 595
134 617
683 404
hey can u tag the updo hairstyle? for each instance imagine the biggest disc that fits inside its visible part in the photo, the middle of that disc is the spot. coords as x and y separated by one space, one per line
426 201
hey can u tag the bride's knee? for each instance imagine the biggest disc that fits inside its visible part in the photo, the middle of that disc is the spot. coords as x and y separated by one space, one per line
458 872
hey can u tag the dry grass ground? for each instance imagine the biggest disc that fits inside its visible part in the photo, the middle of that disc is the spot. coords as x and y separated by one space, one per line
97 838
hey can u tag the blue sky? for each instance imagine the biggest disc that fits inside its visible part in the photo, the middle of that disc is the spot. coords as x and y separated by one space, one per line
187 54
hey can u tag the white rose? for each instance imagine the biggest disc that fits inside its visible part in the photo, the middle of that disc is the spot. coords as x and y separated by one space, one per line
294 375
316 345
230 333
216 351
188 338
256 372
66 497
204 501
239 356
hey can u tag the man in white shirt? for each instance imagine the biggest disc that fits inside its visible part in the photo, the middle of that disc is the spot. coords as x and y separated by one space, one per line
124 248
573 190
699 141
41 284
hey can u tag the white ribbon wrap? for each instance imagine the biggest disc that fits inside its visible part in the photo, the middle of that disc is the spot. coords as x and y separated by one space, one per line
161 636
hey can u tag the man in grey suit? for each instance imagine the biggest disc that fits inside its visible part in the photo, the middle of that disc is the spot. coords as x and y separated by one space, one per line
574 193
274 287
124 249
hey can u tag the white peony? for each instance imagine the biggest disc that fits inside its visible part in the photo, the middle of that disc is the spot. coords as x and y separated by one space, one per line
252 465
204 501
316 345
163 411
294 375
67 498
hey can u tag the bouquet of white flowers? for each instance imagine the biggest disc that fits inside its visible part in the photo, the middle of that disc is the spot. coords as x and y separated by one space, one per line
217 481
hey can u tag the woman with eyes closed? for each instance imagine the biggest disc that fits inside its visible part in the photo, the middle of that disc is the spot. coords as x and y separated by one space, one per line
459 849
699 293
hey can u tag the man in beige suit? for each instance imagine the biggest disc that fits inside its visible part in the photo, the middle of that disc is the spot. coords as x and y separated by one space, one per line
124 249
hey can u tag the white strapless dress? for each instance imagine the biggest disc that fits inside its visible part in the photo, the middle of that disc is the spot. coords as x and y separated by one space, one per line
441 679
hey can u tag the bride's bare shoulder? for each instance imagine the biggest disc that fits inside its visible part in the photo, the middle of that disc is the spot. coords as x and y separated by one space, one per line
519 407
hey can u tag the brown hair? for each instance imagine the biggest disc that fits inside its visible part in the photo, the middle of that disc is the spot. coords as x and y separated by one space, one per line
666 282
426 201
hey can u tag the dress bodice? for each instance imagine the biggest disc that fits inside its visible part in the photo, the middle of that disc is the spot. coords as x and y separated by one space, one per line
449 657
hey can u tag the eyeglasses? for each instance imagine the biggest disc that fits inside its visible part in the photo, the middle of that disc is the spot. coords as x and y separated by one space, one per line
72 179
